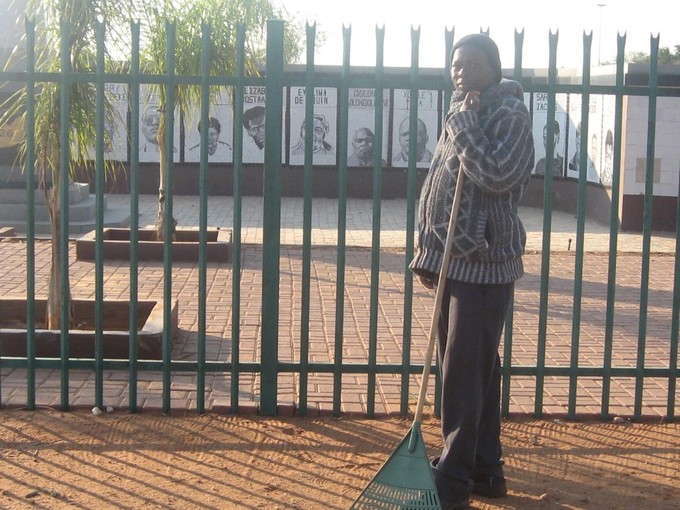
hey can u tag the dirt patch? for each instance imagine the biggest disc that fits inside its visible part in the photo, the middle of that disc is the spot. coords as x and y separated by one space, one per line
52 459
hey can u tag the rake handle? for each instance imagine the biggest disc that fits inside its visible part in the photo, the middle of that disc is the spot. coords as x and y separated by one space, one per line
439 295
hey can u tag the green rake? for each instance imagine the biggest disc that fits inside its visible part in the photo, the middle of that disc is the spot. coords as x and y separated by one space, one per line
405 480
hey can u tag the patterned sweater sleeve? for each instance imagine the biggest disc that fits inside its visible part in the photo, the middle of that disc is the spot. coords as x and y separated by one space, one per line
496 153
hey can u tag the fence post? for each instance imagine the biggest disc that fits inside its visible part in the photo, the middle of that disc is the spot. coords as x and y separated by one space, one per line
271 234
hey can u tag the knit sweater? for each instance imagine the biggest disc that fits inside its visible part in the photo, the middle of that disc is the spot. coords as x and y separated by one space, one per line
494 147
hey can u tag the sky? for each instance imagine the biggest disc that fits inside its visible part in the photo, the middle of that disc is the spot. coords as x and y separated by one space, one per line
639 20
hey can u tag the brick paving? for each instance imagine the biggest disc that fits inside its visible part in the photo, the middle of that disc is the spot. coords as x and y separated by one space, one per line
357 301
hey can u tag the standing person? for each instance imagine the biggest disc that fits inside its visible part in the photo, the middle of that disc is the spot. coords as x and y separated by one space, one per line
487 136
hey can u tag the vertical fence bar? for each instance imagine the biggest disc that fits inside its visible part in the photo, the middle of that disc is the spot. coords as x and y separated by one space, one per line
547 226
519 45
340 268
236 233
343 98
408 252
63 180
271 249
375 267
203 216
29 171
410 228
448 92
99 220
578 298
168 221
613 230
307 234
647 227
675 320
509 322
134 216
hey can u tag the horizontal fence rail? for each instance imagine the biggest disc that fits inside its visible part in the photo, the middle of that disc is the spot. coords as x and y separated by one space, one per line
282 349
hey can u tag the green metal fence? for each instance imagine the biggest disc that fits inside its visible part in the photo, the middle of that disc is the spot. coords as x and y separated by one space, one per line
269 367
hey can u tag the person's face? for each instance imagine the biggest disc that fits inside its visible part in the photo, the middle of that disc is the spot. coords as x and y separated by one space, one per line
422 137
256 131
471 70
556 138
609 146
213 139
150 122
363 144
319 134
404 136
594 148
108 136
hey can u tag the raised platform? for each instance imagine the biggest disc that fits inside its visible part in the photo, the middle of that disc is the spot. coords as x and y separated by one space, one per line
82 337
185 247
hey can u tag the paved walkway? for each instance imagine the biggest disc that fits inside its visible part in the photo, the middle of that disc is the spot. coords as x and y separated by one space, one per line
358 339
360 223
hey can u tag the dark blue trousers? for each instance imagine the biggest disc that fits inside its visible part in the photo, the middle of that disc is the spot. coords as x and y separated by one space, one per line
470 327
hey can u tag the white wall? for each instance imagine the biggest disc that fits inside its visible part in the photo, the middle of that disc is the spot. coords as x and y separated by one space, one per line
667 147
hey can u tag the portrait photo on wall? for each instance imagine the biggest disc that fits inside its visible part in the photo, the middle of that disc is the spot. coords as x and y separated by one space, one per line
254 121
115 124
13 132
361 128
542 132
608 124
220 130
149 120
595 142
323 135
426 131
574 143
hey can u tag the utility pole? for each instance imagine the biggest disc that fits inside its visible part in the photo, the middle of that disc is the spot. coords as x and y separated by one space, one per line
599 36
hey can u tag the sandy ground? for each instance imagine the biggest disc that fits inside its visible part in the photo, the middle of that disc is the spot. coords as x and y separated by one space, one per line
53 459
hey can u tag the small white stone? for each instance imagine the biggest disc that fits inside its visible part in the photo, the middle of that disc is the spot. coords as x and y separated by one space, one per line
109 409
96 411
619 419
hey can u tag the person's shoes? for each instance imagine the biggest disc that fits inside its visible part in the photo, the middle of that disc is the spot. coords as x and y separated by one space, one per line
448 504
444 504
453 494
489 486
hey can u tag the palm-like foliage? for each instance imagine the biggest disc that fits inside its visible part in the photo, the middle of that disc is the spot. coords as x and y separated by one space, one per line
52 19
189 18
81 18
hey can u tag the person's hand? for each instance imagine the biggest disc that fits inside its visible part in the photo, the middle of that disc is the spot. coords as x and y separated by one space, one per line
427 282
471 101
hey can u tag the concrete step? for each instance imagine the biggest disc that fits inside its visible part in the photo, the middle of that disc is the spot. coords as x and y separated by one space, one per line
118 217
16 193
82 210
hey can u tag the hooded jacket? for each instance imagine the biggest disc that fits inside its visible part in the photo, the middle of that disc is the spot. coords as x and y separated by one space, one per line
495 149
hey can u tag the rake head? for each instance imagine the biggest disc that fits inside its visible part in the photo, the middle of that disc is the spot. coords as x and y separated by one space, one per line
404 482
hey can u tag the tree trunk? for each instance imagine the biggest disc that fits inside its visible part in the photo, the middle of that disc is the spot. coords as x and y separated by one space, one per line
57 280
162 186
